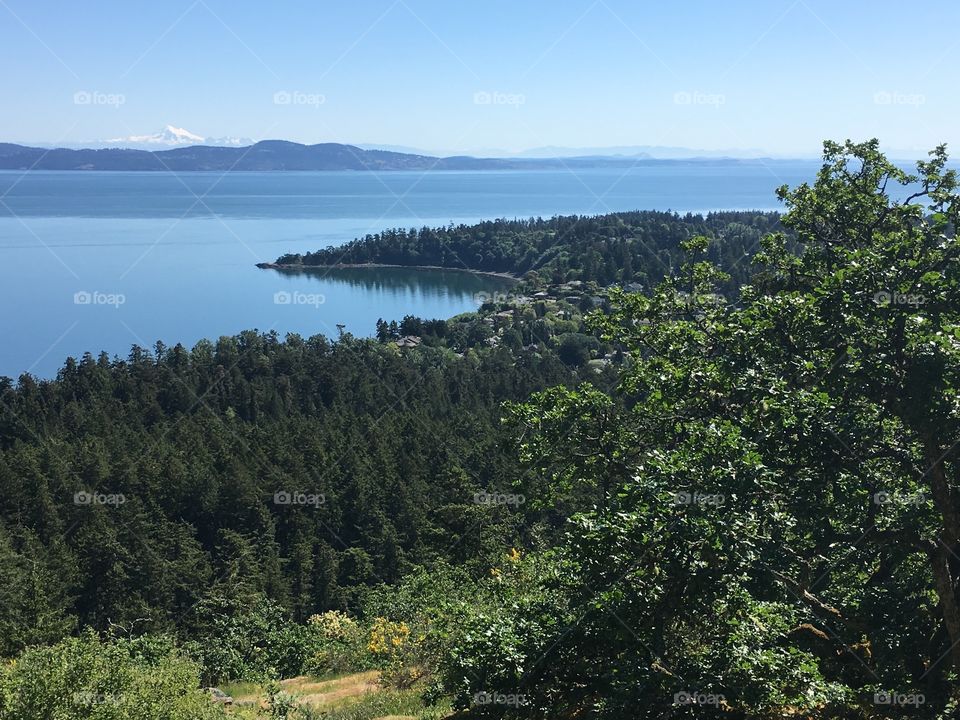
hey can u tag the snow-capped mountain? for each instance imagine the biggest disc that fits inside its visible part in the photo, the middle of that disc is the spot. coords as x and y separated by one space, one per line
171 136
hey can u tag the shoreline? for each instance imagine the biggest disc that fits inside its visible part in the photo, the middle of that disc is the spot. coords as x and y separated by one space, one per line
344 266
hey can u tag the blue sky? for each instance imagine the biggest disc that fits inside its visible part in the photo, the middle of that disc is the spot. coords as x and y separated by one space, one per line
776 75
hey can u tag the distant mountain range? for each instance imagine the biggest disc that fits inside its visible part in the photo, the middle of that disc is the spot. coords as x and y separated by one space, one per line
660 152
282 155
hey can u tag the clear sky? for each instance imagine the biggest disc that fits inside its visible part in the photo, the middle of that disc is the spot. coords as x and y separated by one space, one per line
776 75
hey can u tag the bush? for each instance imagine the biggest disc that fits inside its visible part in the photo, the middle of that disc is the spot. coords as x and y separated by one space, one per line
243 641
79 678
432 604
506 627
336 644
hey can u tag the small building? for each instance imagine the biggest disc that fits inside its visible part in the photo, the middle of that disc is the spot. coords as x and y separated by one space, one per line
408 341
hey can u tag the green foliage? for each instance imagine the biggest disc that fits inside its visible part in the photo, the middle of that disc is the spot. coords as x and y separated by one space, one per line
575 348
280 705
34 606
624 247
386 448
336 645
768 513
84 678
249 640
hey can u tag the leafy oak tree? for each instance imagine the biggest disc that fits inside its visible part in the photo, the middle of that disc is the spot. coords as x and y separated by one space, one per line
775 522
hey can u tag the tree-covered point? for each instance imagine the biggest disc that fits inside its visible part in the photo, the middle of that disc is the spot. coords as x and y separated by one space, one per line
624 247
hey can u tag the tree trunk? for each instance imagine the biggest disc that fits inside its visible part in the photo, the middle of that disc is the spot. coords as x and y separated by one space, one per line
943 580
940 554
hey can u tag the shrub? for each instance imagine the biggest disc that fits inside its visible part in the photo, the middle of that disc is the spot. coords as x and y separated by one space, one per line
336 644
244 641
79 678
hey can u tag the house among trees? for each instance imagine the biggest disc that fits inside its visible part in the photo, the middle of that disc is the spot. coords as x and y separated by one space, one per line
409 341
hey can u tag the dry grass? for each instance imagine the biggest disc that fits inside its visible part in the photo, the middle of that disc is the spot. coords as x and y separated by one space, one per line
312 692
358 696
326 692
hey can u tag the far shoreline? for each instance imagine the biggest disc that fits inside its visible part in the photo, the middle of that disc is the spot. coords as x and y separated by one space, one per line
343 266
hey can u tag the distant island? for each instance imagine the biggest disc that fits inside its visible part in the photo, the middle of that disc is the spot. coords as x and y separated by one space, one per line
281 155
630 248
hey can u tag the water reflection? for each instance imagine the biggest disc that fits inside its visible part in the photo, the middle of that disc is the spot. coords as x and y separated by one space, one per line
421 282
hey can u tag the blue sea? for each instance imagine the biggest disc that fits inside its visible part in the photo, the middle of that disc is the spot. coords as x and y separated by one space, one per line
100 261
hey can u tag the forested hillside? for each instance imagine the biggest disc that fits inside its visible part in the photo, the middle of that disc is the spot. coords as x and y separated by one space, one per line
641 247
387 448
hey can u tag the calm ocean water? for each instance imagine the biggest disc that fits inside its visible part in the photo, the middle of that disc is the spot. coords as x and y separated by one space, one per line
102 261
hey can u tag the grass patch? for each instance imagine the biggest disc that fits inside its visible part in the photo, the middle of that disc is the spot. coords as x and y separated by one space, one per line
384 705
356 696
